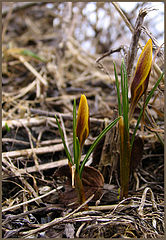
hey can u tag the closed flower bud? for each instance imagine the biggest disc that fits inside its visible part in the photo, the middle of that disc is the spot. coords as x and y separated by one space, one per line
82 126
141 77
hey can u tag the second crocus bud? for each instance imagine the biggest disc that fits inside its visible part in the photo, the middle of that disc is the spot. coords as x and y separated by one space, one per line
82 125
141 77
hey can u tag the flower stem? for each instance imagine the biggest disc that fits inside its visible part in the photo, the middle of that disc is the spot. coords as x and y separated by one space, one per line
125 154
80 190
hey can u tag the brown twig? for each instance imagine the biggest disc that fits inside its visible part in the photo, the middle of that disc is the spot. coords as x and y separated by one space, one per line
134 41
29 152
31 200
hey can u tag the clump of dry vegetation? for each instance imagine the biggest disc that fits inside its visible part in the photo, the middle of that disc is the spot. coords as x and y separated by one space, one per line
52 53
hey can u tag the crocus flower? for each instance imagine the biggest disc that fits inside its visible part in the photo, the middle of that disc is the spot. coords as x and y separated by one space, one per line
82 125
141 77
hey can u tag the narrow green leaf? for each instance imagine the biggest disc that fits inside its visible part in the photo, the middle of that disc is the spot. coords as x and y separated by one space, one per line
77 153
125 96
74 134
63 140
29 53
118 91
146 103
96 142
126 87
122 87
7 127
76 144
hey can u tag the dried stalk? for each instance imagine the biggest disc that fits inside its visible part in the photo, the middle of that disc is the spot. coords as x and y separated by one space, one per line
140 209
23 122
32 70
31 200
29 152
16 173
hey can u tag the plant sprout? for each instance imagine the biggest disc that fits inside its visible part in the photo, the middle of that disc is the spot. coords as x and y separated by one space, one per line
80 134
138 88
81 123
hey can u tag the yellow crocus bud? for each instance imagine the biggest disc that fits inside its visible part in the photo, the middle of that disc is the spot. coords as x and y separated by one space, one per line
141 77
82 126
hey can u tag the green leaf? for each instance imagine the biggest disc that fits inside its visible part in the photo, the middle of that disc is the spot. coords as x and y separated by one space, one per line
118 197
77 153
146 103
101 135
63 140
74 132
118 91
125 100
122 86
76 144
125 87
123 90
29 53
7 127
